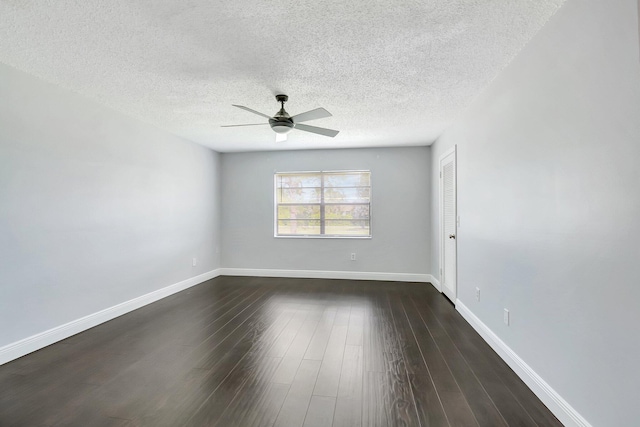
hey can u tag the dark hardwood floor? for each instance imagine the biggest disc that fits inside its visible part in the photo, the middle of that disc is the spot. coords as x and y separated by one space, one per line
248 351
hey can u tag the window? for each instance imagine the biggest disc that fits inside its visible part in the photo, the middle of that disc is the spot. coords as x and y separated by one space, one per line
323 204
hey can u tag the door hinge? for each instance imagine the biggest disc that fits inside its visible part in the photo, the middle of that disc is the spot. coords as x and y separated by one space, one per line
440 174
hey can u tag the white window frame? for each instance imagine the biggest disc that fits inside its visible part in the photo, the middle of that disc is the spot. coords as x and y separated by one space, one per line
322 204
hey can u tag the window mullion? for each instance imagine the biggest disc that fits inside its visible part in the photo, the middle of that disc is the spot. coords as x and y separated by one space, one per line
322 227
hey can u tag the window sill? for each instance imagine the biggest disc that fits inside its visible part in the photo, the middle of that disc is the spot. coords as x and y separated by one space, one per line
323 237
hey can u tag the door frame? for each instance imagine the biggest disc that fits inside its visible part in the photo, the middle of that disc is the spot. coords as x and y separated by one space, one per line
453 150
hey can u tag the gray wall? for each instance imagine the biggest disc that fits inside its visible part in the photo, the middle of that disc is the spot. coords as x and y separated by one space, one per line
95 208
549 199
400 212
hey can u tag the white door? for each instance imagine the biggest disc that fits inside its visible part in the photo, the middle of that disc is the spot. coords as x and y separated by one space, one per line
448 226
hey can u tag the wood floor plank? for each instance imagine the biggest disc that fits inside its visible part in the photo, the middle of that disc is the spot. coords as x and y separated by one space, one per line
429 409
251 361
255 366
348 411
186 398
242 323
356 326
293 357
456 407
301 342
282 344
252 374
400 401
374 409
371 339
205 316
232 318
318 344
294 408
266 407
329 375
238 393
483 407
25 402
320 412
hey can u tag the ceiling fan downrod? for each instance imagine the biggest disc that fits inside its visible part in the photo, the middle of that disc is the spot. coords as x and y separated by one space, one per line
281 122
282 99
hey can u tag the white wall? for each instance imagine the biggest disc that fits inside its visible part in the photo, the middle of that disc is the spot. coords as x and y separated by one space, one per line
95 207
400 212
549 200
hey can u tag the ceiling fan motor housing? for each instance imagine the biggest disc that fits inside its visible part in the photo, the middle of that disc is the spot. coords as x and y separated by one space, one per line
281 125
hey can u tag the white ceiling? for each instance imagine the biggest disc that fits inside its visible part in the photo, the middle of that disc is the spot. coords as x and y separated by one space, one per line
391 72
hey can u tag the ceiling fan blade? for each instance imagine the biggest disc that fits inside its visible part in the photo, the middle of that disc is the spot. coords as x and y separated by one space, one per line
252 111
252 124
319 131
281 137
318 113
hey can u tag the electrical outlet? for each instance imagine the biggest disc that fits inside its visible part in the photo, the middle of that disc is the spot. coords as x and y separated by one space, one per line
506 317
477 294
353 256
194 262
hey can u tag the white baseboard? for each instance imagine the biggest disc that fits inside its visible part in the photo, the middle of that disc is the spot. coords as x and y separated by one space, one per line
436 283
556 404
35 342
320 274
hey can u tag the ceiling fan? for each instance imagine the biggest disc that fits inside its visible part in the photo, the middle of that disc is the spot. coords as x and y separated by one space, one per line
282 122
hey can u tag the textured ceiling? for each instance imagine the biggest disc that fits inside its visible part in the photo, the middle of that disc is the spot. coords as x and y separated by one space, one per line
392 73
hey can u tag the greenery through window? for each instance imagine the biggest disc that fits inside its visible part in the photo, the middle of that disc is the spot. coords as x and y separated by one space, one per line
324 204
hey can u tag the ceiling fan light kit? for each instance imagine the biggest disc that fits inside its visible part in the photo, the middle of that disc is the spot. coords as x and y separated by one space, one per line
282 123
